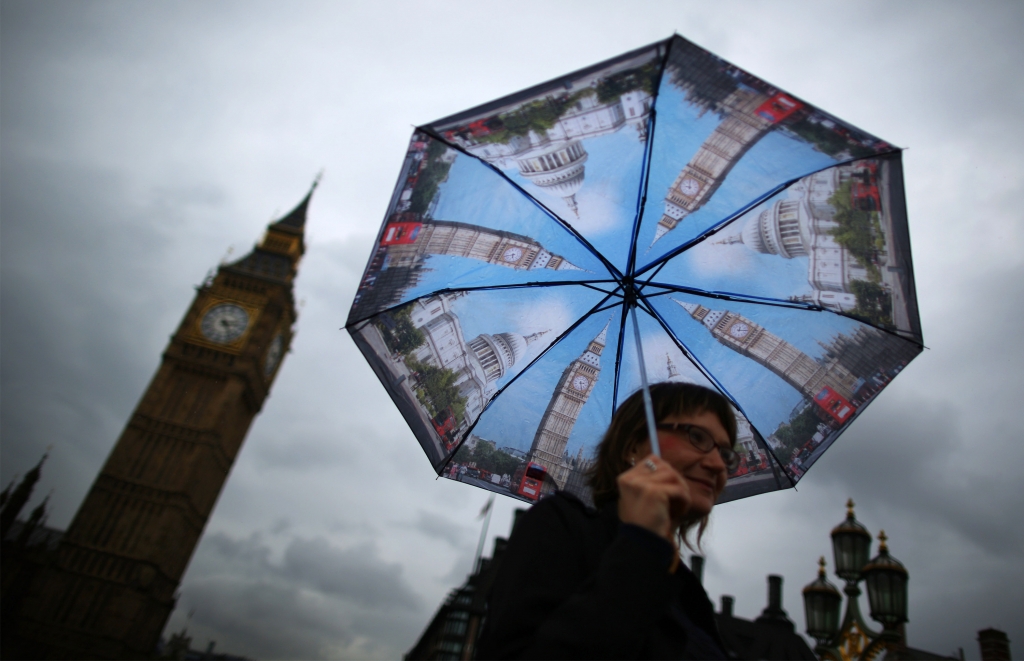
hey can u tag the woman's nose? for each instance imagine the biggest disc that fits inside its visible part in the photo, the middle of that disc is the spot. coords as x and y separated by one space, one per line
713 460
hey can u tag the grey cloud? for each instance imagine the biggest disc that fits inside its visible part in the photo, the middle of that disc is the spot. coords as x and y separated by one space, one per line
265 619
439 527
355 574
462 563
280 526
319 601
248 552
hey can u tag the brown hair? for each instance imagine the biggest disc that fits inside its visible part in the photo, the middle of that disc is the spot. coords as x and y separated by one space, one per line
629 428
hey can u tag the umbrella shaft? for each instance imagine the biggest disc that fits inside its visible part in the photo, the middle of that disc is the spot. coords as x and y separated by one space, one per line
652 430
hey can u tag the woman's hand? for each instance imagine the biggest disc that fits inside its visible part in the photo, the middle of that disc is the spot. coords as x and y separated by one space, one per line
657 499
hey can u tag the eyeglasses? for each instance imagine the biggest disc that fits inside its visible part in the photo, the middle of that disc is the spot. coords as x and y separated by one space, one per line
703 441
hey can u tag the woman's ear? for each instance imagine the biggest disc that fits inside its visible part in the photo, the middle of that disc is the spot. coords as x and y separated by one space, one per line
629 454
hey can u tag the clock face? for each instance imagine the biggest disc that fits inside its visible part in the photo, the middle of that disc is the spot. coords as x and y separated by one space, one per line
580 382
224 323
513 254
689 187
739 330
273 355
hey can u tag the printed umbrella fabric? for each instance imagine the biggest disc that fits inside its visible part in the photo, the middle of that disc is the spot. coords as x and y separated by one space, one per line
763 242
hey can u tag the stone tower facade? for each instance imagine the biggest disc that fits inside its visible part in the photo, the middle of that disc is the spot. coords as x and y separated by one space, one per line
571 393
112 586
700 178
410 240
794 366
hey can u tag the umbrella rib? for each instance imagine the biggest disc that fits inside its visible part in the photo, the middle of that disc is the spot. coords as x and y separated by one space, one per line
562 335
773 460
714 229
730 296
648 147
566 226
521 285
618 356
641 202
689 355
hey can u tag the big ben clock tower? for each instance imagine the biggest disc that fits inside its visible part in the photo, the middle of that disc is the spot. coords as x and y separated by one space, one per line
794 366
571 393
740 130
112 586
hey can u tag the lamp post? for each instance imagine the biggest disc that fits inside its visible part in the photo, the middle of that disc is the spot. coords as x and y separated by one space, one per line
886 580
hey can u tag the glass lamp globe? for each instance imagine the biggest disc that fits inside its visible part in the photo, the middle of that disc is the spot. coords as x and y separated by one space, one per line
851 544
822 602
887 587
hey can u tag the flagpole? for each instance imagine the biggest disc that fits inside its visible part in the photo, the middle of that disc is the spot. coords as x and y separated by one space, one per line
483 533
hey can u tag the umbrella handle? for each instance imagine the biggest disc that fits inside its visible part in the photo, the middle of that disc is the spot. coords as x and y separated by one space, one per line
652 428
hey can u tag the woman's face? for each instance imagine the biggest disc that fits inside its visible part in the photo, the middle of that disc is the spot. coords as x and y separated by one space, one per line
705 472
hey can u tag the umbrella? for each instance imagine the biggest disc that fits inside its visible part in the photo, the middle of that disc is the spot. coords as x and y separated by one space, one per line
660 216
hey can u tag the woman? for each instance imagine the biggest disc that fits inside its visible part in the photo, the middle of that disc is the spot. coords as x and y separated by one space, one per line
578 582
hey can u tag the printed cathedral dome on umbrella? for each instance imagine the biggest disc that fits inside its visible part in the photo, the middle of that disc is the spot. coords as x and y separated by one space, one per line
762 242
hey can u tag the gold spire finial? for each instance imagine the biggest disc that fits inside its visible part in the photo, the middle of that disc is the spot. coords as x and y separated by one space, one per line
882 547
821 567
849 508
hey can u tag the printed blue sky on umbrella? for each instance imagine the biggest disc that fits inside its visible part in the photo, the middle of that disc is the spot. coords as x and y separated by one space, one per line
715 265
679 134
608 197
765 397
513 418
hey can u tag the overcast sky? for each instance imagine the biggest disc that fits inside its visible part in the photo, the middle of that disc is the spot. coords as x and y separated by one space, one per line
143 141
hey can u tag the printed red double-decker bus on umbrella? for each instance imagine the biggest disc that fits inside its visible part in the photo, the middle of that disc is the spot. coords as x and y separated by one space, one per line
445 426
778 108
834 404
401 233
528 480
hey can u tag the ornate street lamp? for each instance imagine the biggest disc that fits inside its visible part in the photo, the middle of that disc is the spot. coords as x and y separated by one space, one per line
822 603
887 587
851 545
886 578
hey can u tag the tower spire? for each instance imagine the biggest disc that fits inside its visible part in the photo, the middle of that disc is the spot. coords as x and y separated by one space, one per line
296 218
672 371
17 499
276 257
533 337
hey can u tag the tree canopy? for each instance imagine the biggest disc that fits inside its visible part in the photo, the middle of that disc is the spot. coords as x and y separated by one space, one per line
401 336
874 303
796 433
644 78
859 231
827 140
433 172
437 390
488 457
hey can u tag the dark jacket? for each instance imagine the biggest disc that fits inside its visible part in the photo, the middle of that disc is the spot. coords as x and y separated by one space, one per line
576 583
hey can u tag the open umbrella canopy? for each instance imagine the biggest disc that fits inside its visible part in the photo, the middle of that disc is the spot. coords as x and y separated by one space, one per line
763 241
